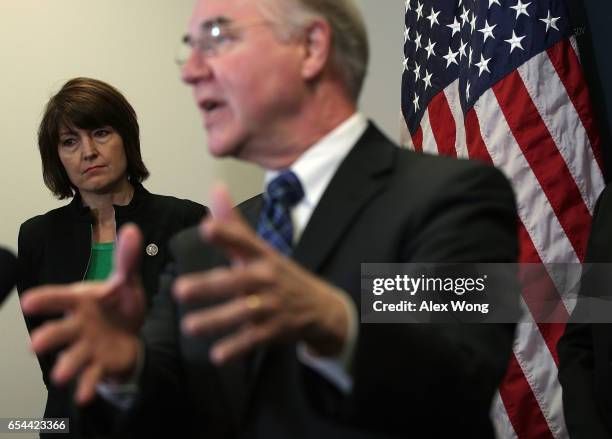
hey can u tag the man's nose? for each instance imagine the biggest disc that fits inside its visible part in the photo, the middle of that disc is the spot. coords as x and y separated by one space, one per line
196 68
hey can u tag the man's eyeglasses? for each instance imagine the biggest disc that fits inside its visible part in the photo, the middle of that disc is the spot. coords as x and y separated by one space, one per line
215 38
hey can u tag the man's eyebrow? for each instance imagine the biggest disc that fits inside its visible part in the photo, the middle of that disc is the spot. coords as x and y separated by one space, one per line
215 21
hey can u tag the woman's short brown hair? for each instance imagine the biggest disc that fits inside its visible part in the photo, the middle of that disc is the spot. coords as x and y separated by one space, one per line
87 104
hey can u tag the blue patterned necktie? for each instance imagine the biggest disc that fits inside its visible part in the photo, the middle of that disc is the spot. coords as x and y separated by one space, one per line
275 225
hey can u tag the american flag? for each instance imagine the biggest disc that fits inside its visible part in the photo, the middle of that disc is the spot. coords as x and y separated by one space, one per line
501 81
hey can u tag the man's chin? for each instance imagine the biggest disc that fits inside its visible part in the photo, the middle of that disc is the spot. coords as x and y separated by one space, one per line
221 149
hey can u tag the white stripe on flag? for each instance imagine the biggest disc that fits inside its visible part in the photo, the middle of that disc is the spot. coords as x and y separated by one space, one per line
452 98
429 141
405 137
501 421
540 370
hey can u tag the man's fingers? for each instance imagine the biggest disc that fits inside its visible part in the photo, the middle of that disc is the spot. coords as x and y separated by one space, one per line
70 361
238 240
127 253
242 342
86 388
221 282
228 315
50 299
222 206
55 334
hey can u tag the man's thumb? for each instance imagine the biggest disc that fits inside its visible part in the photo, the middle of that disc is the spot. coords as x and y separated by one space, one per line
127 252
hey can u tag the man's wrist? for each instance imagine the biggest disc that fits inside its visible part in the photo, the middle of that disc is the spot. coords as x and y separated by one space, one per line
131 349
331 328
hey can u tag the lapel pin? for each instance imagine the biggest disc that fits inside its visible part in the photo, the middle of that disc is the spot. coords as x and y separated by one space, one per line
152 249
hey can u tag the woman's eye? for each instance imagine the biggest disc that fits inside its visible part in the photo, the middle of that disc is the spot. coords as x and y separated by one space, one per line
68 142
103 132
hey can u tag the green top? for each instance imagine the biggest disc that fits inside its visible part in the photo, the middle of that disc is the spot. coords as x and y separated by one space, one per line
101 261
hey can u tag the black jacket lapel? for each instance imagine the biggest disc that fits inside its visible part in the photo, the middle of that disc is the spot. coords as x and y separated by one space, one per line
356 181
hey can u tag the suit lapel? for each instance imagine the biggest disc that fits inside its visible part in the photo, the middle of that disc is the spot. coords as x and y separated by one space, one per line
356 181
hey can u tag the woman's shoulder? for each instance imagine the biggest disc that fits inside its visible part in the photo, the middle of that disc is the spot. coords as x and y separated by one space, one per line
45 220
183 204
174 209
39 228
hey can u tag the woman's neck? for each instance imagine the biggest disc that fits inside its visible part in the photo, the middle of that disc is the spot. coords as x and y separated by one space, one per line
103 211
120 195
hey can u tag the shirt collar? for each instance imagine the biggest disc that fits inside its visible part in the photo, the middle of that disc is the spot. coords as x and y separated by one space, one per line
317 165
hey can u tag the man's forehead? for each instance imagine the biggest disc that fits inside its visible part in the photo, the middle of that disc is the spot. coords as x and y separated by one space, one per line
214 12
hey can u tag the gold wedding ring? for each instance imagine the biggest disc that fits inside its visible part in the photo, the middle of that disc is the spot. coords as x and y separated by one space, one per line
253 302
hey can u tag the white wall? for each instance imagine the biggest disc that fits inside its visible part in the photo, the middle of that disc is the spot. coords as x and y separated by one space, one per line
131 45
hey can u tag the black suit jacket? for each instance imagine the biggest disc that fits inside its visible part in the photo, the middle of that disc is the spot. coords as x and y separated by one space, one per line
384 204
585 350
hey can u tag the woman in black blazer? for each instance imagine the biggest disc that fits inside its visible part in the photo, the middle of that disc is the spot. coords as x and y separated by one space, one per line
90 149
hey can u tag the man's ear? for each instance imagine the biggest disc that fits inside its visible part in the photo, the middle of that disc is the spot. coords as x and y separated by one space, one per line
318 45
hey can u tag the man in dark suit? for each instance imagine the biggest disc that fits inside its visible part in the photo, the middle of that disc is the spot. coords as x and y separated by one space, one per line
258 334
585 350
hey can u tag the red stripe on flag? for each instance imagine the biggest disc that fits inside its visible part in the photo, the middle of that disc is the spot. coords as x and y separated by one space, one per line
569 70
475 144
552 332
417 140
544 158
443 125
549 331
521 405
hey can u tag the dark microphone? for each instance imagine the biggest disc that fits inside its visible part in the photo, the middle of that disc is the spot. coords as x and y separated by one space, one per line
8 273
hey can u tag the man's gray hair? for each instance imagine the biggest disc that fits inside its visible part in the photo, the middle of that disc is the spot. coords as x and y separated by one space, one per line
350 52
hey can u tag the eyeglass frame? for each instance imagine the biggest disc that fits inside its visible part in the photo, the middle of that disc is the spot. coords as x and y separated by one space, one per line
211 42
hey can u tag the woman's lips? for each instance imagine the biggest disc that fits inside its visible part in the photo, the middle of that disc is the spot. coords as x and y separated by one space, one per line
92 168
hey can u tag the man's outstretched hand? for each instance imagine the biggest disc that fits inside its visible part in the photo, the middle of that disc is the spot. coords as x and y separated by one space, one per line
269 297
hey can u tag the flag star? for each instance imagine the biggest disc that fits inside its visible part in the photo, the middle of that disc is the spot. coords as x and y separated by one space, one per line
473 23
456 27
433 17
416 102
408 8
406 35
467 91
430 49
451 57
427 79
417 72
417 40
492 2
465 16
462 52
515 42
419 10
483 65
406 64
520 8
470 58
460 1
550 22
487 31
